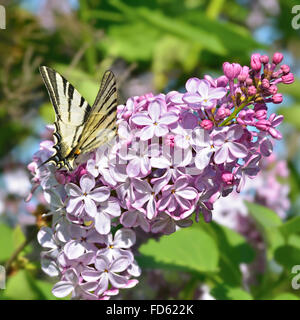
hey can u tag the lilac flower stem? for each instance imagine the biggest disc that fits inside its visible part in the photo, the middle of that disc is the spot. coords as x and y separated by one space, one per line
234 113
16 253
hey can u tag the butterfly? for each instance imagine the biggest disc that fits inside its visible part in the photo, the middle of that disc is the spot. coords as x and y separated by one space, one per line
79 127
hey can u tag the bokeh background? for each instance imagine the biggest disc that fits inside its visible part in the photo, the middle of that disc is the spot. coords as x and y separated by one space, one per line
250 249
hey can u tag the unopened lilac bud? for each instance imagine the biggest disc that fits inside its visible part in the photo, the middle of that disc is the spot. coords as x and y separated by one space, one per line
222 113
285 68
231 71
237 69
255 62
273 89
288 79
265 84
251 91
261 114
264 59
277 57
228 70
249 81
263 125
222 81
275 133
243 74
228 178
206 124
277 98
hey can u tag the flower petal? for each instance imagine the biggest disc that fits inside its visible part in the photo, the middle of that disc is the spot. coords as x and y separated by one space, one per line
62 288
102 223
154 110
124 238
100 194
147 133
87 183
141 119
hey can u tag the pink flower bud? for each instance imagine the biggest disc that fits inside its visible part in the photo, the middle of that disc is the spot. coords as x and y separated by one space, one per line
264 59
275 133
277 57
285 68
228 178
265 84
231 71
207 124
251 91
277 98
243 74
263 125
288 79
255 62
222 81
222 113
273 89
261 114
249 81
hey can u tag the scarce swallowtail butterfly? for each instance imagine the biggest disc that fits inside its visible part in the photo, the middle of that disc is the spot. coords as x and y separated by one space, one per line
79 128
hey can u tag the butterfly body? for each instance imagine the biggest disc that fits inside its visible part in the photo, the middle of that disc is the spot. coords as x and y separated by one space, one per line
79 128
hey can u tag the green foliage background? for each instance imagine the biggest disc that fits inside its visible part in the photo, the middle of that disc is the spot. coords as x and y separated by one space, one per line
170 40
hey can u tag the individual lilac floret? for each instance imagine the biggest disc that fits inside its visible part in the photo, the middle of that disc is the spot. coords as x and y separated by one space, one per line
205 97
86 197
156 122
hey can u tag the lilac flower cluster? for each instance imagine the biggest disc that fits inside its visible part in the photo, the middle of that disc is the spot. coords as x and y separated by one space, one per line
174 155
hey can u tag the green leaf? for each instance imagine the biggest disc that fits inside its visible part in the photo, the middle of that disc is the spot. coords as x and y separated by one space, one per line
6 241
156 19
287 256
263 216
19 288
236 39
291 114
267 222
233 250
18 236
286 296
224 292
24 286
291 226
128 41
187 249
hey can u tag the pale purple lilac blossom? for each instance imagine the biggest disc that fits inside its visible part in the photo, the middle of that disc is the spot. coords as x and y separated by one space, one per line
174 156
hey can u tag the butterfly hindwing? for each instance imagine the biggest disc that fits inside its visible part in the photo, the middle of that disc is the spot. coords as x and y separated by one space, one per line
79 128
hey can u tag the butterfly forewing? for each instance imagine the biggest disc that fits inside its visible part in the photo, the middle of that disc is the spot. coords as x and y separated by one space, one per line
100 126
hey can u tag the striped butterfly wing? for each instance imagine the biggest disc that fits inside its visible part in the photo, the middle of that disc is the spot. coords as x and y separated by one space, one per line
71 113
80 128
100 126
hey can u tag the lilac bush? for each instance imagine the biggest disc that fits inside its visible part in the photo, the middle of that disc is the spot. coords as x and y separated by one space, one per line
174 156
